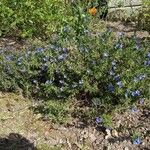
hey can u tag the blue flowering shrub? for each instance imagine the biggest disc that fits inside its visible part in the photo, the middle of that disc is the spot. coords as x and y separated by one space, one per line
101 69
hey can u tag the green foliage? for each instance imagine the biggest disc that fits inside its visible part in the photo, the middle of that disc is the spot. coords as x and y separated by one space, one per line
102 70
57 111
144 16
28 18
107 120
112 74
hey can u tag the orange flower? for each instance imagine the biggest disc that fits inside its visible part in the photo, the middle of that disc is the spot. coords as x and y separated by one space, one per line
93 11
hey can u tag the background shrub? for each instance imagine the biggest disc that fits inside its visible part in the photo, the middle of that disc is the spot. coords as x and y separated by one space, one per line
144 16
29 18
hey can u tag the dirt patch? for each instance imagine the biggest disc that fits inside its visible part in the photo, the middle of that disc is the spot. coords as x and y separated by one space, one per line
26 130
129 29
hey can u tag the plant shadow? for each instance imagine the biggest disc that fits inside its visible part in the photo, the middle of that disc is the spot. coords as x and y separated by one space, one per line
15 141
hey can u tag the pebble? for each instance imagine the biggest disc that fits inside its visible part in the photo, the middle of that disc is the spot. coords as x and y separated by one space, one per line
118 123
92 137
114 133
126 148
38 116
108 132
107 137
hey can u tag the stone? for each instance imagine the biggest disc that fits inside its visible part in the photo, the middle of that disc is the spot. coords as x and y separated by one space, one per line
126 148
108 132
114 133
92 137
84 134
118 123
107 137
38 116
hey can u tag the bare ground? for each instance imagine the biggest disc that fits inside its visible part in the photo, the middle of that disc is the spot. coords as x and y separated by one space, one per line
21 129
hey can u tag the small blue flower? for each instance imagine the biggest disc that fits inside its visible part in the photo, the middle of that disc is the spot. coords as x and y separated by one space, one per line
113 63
147 63
62 57
111 88
137 141
137 47
141 101
117 78
120 84
8 58
135 93
134 109
39 50
99 120
141 77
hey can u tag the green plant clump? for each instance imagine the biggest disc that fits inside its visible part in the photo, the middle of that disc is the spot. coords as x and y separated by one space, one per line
97 68
29 18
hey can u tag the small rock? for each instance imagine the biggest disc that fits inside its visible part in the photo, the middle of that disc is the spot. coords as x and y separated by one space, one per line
108 132
61 141
84 134
114 133
107 137
69 144
126 148
118 123
92 137
38 116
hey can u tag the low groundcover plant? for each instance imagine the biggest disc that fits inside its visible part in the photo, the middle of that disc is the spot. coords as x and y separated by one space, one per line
103 70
